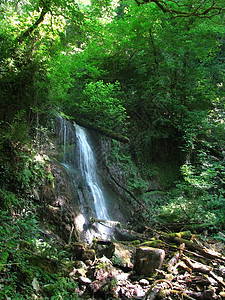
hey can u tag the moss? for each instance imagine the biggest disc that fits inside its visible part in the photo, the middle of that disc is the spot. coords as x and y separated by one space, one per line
44 263
136 242
116 260
167 173
153 244
183 234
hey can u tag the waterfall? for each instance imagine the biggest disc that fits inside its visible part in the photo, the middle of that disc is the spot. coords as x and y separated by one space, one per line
64 140
80 163
88 168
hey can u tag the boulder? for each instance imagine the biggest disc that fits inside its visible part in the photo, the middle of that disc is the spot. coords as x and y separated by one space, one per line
148 259
124 255
143 282
104 280
84 280
81 251
106 250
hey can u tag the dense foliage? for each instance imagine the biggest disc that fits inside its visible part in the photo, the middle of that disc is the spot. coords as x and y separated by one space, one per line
151 71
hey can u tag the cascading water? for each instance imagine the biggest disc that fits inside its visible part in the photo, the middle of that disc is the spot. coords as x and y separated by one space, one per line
80 162
88 169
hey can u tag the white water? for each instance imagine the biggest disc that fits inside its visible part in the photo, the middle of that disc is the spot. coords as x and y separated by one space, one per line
64 140
80 163
88 169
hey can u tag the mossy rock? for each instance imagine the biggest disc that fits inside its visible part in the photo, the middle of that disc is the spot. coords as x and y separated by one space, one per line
105 250
124 255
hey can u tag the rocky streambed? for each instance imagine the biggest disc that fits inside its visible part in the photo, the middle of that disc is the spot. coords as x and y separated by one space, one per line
165 266
153 264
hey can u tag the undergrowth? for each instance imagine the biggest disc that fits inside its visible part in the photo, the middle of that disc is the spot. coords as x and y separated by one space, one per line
30 267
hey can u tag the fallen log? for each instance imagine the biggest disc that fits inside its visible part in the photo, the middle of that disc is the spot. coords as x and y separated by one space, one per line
201 268
104 222
104 131
196 266
192 246
174 260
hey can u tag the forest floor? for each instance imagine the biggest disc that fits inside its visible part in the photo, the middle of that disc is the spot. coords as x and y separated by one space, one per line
193 268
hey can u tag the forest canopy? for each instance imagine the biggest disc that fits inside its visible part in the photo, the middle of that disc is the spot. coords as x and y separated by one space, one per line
150 70
147 73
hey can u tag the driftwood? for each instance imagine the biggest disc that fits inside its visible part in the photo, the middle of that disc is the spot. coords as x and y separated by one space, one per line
174 260
121 231
192 269
191 272
192 246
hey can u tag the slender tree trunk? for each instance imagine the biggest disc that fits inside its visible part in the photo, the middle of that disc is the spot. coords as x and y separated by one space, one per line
27 32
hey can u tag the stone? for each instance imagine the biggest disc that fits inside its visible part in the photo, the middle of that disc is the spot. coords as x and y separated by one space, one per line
80 264
144 282
148 259
84 280
77 249
105 260
81 272
106 250
60 209
124 255
81 251
89 254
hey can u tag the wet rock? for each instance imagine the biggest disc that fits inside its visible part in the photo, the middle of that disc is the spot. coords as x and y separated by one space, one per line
77 249
131 291
148 259
88 255
80 264
103 277
105 260
138 291
78 272
80 291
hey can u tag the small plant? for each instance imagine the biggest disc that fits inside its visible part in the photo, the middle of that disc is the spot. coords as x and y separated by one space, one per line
64 289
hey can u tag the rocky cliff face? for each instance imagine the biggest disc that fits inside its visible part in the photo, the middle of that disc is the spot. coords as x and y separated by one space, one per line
60 209
61 198
122 184
113 179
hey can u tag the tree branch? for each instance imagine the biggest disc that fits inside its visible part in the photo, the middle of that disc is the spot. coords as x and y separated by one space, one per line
104 131
200 11
27 32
